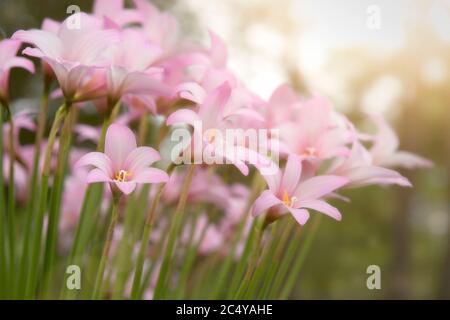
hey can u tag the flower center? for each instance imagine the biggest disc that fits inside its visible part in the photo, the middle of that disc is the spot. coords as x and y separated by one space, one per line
288 201
310 152
122 175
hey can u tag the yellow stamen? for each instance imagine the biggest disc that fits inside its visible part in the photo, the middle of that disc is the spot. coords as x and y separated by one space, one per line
211 135
289 202
310 152
122 176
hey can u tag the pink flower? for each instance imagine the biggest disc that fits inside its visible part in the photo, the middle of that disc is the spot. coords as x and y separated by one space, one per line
361 171
288 193
123 164
385 149
9 60
316 133
75 54
215 115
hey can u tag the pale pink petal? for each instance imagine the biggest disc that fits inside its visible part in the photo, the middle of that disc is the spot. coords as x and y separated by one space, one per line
143 83
191 91
265 201
151 175
19 62
369 175
183 116
140 158
407 160
323 207
126 187
214 104
98 160
318 187
97 175
292 173
218 51
119 143
300 215
45 41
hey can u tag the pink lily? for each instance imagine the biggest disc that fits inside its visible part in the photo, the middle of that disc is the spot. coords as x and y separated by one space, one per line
9 60
123 165
74 54
385 149
288 193
361 171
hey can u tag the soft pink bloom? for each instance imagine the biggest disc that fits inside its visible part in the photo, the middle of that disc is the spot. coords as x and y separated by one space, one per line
288 193
123 164
9 60
316 133
385 151
75 53
215 115
361 171
131 71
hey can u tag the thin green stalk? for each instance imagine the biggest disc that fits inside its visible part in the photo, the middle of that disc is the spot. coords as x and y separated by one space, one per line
253 262
285 264
55 197
293 275
11 206
3 268
34 192
149 222
173 233
226 266
37 236
101 268
274 260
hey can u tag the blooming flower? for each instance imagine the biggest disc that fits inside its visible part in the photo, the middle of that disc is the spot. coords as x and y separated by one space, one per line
123 164
385 149
9 60
288 193
75 54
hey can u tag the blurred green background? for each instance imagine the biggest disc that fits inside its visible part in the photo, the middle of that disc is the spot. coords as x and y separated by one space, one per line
400 69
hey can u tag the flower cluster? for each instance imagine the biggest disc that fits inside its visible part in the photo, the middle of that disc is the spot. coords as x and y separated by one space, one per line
133 66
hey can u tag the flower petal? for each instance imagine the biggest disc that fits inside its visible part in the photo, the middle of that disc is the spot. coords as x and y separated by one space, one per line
319 186
98 160
151 175
140 158
183 116
97 175
322 206
45 41
300 215
265 201
292 173
119 143
126 187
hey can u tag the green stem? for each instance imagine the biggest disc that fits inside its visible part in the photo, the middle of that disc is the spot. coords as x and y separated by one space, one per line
34 192
3 268
101 268
56 194
293 275
253 262
149 222
37 236
173 233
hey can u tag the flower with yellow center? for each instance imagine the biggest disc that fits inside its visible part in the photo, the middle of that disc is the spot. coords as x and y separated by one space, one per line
288 201
122 175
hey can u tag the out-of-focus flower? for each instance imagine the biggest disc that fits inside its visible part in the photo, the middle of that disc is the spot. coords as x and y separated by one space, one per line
123 164
116 11
385 151
361 171
215 115
9 60
288 193
75 53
